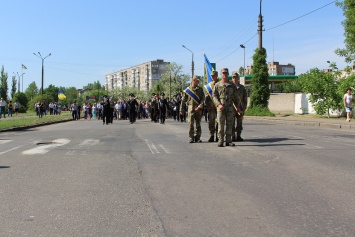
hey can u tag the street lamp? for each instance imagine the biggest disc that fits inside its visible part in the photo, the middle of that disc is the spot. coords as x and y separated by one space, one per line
43 58
243 47
328 66
19 78
192 63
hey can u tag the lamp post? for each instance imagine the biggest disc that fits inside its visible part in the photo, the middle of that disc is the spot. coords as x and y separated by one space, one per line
22 82
43 58
243 47
192 63
328 66
18 81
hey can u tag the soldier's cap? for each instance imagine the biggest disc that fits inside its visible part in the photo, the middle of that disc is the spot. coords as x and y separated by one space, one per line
235 74
153 94
131 94
214 73
224 70
162 94
196 78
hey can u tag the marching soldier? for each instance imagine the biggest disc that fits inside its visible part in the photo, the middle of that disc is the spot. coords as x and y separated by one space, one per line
152 107
106 108
132 108
211 108
162 104
241 106
195 96
225 98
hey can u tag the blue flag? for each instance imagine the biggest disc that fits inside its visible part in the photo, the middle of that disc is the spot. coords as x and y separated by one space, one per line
209 68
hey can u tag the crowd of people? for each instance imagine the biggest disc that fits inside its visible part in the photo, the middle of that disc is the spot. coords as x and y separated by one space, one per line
157 108
10 107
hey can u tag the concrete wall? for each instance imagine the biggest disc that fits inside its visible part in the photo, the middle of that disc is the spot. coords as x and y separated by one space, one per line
297 103
282 103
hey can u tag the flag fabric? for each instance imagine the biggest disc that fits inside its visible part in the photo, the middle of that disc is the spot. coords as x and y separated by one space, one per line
61 95
208 68
24 67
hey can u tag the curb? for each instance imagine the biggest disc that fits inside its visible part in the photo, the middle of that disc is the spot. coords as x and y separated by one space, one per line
305 123
33 126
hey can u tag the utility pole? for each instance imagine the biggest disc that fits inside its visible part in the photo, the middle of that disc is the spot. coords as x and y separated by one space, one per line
260 29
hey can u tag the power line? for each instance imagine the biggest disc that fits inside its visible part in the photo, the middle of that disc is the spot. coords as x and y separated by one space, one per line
301 16
237 48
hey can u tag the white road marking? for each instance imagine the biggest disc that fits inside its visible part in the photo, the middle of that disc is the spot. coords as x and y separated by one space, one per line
164 148
153 146
149 146
70 153
11 149
4 141
89 142
45 148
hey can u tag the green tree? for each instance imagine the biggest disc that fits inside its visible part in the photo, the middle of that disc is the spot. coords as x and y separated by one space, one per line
289 86
71 94
261 92
13 86
241 71
45 97
22 99
52 92
173 77
32 90
323 89
3 83
348 52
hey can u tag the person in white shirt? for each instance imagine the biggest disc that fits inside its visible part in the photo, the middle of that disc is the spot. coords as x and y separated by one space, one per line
118 108
348 100
2 107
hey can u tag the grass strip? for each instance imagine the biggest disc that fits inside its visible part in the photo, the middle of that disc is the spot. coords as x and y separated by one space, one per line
22 121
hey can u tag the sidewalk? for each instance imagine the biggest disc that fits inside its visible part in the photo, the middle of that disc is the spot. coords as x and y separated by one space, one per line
306 120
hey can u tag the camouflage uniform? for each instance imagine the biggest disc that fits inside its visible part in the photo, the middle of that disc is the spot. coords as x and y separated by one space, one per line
192 115
212 111
242 103
225 94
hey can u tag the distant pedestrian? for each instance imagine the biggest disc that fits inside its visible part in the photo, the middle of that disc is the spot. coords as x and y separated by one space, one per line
2 107
348 100
17 107
9 109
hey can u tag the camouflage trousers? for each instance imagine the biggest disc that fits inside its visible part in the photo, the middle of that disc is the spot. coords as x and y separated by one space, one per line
225 117
212 121
194 117
237 129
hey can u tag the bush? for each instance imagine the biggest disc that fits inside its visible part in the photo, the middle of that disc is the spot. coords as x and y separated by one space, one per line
259 111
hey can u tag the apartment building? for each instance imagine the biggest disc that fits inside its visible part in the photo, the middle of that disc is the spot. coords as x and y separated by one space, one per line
275 69
141 76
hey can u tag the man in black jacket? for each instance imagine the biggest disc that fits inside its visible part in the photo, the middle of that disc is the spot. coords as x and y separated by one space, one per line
162 104
132 103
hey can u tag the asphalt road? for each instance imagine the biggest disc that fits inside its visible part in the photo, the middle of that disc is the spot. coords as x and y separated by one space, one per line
83 178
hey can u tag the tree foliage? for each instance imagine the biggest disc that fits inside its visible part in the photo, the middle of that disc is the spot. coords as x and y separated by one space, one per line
22 99
323 89
3 83
178 80
261 92
32 90
13 86
348 52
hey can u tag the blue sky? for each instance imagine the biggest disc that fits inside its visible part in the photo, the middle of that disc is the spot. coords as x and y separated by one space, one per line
91 38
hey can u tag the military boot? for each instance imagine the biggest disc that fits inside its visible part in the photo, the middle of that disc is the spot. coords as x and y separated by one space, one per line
239 138
211 139
197 139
